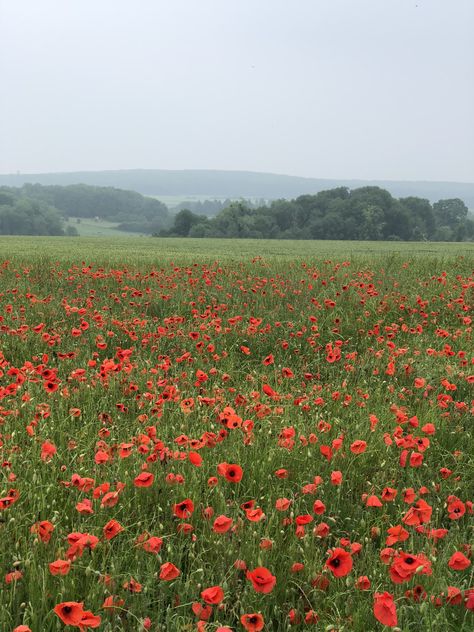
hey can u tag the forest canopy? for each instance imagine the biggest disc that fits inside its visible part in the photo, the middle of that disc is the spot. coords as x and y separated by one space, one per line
366 213
34 209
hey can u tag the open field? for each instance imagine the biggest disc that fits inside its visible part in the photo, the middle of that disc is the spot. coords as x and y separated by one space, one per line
215 435
151 250
88 227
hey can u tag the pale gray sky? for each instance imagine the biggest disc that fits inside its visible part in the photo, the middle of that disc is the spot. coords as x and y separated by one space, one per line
376 89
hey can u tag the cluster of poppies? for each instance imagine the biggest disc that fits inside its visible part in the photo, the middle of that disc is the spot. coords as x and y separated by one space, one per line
235 447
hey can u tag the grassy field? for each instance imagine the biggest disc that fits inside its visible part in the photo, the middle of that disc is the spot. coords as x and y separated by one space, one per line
214 435
88 227
150 249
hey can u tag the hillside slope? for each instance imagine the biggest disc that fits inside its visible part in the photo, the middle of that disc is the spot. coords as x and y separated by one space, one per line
234 184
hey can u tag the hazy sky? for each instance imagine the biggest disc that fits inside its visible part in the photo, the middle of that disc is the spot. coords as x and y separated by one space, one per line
376 89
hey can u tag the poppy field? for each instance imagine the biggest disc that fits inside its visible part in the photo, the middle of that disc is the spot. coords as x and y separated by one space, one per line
240 440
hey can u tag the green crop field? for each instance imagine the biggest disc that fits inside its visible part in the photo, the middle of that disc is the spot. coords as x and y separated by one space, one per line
235 435
150 249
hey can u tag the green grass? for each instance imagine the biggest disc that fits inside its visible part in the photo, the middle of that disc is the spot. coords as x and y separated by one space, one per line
150 249
88 227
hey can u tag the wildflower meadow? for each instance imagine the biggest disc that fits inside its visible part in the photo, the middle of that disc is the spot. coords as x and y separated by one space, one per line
195 436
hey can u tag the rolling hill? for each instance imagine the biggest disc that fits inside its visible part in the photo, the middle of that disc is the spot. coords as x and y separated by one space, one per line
235 184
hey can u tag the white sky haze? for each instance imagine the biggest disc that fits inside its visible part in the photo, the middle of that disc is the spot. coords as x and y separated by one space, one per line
370 89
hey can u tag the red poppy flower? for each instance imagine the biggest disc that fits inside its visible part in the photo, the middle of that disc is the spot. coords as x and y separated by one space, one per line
321 530
409 495
110 499
144 479
454 596
195 459
404 566
240 565
282 504
60 567
212 595
340 562
358 446
396 534
384 609
50 387
373 501
203 611
469 599
456 508
8 500
70 612
388 494
89 620
418 513
48 450
362 583
268 390
153 544
111 529
386 555
262 580
254 515
132 586
79 542
232 472
168 572
297 567
14 576
44 529
184 509
458 561
222 524
84 507
252 622
311 617
112 602
319 507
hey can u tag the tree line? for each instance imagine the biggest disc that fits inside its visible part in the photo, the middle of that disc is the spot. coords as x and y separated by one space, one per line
212 207
366 213
34 209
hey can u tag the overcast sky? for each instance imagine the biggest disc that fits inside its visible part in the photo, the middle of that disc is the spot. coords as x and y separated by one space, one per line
373 89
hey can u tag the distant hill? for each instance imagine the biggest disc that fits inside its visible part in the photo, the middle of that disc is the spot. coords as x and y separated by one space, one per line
236 184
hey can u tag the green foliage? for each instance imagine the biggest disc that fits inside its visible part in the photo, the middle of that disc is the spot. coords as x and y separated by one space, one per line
136 212
366 213
21 215
184 222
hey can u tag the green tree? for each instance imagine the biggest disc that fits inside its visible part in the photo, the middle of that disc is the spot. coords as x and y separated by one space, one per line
422 216
450 212
183 222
